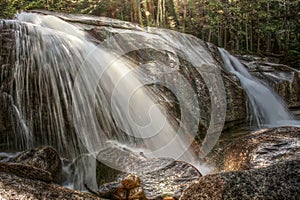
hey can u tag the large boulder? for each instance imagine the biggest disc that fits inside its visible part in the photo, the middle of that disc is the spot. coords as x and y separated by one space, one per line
168 181
43 158
259 149
159 177
279 181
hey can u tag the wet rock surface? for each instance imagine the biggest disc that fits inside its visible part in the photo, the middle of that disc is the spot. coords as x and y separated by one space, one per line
26 171
43 158
158 178
259 149
279 181
15 187
168 181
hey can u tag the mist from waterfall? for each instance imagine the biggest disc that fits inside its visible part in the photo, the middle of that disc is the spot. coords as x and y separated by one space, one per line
83 98
268 109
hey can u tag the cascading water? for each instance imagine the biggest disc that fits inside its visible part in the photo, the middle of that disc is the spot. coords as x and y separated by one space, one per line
267 107
83 98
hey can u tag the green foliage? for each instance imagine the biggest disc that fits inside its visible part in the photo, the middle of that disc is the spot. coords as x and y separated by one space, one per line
256 26
8 9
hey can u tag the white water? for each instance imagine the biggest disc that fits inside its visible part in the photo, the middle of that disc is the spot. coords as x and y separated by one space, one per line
267 108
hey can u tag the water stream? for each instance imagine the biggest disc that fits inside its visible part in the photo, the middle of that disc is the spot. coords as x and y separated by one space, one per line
268 109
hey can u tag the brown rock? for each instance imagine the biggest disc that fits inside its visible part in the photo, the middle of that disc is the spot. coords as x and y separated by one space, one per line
137 194
26 171
130 181
45 158
121 194
169 180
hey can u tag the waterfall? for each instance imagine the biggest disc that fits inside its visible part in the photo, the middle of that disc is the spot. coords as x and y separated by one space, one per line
268 109
83 97
89 98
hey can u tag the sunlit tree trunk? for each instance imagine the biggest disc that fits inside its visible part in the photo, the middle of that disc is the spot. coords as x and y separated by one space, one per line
146 12
174 8
152 10
184 15
133 11
158 14
139 12
163 16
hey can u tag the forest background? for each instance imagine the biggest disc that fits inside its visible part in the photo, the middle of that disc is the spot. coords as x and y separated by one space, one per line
268 28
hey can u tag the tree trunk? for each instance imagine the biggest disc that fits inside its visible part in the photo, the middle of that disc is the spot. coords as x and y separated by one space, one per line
237 45
146 12
268 32
158 14
225 38
251 37
139 13
184 15
246 33
209 35
174 7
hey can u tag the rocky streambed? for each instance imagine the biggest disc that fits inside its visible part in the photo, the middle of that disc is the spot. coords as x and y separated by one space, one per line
260 165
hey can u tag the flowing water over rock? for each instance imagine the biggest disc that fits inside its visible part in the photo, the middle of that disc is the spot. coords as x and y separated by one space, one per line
268 109
75 95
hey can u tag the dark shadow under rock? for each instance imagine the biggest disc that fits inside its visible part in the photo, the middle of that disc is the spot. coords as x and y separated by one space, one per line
279 181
